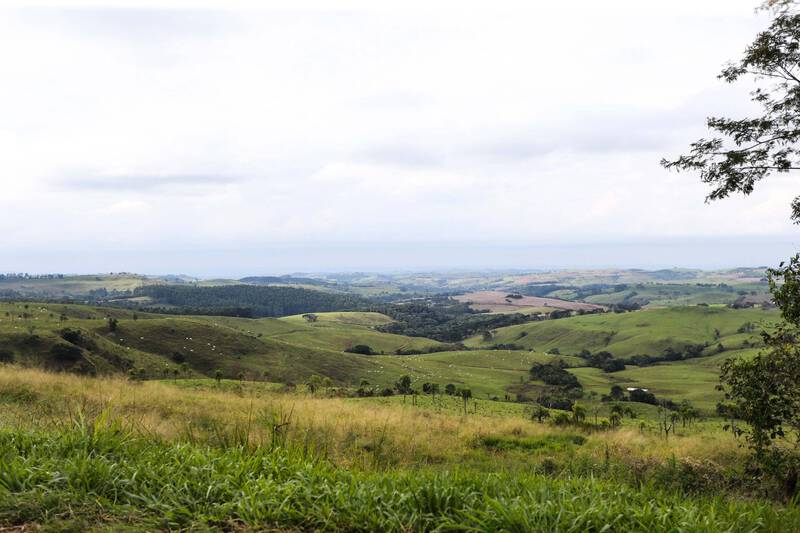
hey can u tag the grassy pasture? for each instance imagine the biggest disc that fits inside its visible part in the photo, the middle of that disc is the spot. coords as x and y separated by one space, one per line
646 332
78 453
160 344
677 295
694 379
291 350
485 372
332 331
75 285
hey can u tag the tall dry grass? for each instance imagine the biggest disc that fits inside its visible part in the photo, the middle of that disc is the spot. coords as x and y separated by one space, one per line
350 432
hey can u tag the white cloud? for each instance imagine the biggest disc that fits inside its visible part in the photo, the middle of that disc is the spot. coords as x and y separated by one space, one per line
363 122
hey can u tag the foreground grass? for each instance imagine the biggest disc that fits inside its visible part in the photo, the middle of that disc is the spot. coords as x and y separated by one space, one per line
99 476
81 453
365 432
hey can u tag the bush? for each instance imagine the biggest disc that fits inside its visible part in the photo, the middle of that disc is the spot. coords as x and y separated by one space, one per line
66 353
642 396
554 375
555 402
361 349
75 336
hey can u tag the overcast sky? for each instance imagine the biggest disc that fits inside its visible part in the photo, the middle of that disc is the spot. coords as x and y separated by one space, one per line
229 140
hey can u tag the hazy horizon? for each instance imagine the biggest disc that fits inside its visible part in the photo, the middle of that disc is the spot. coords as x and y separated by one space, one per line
330 258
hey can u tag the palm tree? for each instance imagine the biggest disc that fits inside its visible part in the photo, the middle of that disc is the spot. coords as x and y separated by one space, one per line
578 413
466 394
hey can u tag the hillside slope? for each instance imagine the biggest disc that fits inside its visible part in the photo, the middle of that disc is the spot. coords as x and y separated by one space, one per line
336 331
646 332
78 338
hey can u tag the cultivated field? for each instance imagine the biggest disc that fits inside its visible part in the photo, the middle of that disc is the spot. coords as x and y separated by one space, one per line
500 302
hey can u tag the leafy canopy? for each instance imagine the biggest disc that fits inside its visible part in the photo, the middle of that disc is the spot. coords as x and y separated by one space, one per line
746 150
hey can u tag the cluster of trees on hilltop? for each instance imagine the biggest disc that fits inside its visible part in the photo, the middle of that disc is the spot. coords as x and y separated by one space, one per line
25 275
444 320
245 300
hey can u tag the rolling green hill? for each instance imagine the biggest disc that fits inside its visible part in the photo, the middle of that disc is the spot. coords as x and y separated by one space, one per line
78 338
57 286
694 379
332 331
290 349
647 332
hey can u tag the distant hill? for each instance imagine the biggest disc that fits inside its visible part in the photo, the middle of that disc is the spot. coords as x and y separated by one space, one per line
241 300
284 280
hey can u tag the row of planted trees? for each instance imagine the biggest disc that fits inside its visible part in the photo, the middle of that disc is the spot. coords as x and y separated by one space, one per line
667 418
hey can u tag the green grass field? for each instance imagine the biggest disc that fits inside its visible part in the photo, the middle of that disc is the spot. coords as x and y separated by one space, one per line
183 451
647 332
74 285
291 349
331 331
107 454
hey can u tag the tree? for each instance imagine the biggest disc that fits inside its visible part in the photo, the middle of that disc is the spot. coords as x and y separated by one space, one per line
784 284
434 390
745 151
688 412
403 385
327 382
466 394
540 413
617 412
313 383
666 420
112 324
617 393
218 376
450 389
361 349
578 413
764 391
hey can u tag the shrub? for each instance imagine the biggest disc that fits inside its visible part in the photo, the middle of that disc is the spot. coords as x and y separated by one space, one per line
361 349
66 353
554 375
